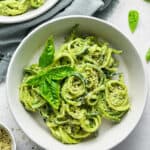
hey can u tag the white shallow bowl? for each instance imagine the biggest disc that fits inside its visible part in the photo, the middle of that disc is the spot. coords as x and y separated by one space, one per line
130 64
13 144
30 14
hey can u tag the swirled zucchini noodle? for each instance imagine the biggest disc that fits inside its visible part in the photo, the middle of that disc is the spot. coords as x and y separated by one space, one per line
17 7
76 86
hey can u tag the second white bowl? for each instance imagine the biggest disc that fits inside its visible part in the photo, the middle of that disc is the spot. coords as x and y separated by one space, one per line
28 15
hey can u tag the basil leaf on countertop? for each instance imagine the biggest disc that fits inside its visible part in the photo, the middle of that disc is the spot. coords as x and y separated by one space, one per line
147 57
133 19
47 55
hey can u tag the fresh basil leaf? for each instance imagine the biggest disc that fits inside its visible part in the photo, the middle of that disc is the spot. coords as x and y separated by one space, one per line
47 55
34 80
55 90
133 18
50 92
59 73
148 55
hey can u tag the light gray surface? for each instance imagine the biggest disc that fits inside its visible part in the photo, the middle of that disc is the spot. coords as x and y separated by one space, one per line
117 14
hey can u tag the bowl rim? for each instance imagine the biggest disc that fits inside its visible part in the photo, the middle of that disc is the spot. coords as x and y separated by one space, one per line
2 125
94 19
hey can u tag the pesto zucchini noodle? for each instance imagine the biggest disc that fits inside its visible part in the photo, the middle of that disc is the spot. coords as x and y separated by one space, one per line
17 7
75 87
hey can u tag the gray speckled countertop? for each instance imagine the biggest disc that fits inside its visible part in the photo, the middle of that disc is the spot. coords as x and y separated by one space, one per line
117 14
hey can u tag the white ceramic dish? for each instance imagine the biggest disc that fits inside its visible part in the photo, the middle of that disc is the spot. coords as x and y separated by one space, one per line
10 134
130 63
28 15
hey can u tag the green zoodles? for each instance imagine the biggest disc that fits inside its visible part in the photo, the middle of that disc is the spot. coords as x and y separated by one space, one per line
18 7
76 86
